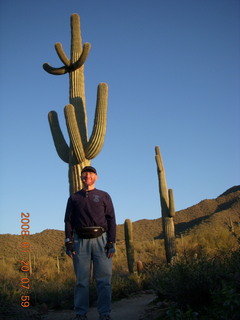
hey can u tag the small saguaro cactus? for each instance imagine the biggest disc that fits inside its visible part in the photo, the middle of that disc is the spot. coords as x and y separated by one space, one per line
58 265
30 263
168 209
81 148
139 267
129 244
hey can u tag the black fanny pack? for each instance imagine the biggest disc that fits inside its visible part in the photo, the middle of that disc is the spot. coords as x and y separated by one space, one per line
90 232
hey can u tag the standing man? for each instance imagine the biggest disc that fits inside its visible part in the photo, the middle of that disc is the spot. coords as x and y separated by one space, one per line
90 230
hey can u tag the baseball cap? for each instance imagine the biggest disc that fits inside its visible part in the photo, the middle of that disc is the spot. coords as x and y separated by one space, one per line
89 169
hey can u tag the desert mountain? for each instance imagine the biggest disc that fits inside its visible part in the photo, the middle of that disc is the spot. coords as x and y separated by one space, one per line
211 212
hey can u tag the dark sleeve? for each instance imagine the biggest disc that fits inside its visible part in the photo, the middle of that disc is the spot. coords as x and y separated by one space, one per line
111 220
67 220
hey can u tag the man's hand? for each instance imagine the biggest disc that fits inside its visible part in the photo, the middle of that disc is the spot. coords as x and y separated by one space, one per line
69 248
110 249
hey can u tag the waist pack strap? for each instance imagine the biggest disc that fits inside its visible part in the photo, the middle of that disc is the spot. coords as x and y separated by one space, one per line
90 232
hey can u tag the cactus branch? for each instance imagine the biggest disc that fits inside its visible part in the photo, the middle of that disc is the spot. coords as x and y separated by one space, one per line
58 138
74 133
79 63
71 67
61 54
55 71
171 203
96 140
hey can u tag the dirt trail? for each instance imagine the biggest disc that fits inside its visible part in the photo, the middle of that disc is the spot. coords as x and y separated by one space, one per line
125 309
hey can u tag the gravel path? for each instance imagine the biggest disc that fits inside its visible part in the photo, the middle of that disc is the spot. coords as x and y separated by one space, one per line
125 309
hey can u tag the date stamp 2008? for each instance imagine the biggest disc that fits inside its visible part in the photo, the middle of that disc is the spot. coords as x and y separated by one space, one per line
25 261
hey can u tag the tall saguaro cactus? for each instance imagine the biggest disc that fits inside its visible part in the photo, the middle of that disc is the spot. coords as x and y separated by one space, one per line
168 209
81 149
129 244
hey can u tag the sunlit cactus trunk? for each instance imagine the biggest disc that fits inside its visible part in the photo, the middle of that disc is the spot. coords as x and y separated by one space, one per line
81 149
74 172
169 238
168 209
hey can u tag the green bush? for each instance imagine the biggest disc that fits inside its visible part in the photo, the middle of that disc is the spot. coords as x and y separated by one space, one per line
125 285
210 287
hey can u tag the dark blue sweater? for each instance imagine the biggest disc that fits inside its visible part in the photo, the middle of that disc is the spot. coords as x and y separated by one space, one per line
88 209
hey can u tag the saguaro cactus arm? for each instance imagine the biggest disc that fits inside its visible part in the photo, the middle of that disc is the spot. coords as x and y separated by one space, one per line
76 62
61 54
69 67
80 62
95 143
74 132
58 138
171 203
96 140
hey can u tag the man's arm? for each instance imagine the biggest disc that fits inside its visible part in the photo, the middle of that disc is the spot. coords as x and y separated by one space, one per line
68 230
67 220
111 233
111 220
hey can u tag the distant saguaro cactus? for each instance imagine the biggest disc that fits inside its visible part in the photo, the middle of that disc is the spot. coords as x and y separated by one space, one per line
168 209
81 149
30 263
129 244
58 265
139 267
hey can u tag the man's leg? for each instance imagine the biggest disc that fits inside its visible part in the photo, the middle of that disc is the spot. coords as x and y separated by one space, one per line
102 274
81 262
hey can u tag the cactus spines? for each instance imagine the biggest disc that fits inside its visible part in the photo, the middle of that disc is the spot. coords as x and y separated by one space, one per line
81 149
168 209
129 244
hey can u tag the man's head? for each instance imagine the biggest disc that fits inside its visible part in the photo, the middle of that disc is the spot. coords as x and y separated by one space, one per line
89 169
89 177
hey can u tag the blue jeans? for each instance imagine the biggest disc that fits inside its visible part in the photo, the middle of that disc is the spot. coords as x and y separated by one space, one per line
87 250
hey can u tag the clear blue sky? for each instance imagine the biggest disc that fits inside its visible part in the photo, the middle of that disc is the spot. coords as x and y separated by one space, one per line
173 71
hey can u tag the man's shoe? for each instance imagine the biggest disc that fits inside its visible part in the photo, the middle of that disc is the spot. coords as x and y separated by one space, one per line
105 317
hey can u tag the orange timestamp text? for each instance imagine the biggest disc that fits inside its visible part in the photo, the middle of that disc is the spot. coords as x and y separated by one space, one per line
25 261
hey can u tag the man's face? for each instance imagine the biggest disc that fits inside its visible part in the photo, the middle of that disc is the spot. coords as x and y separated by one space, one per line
88 178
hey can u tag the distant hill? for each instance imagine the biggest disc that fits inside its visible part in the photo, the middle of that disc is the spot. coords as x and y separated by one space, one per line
213 212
